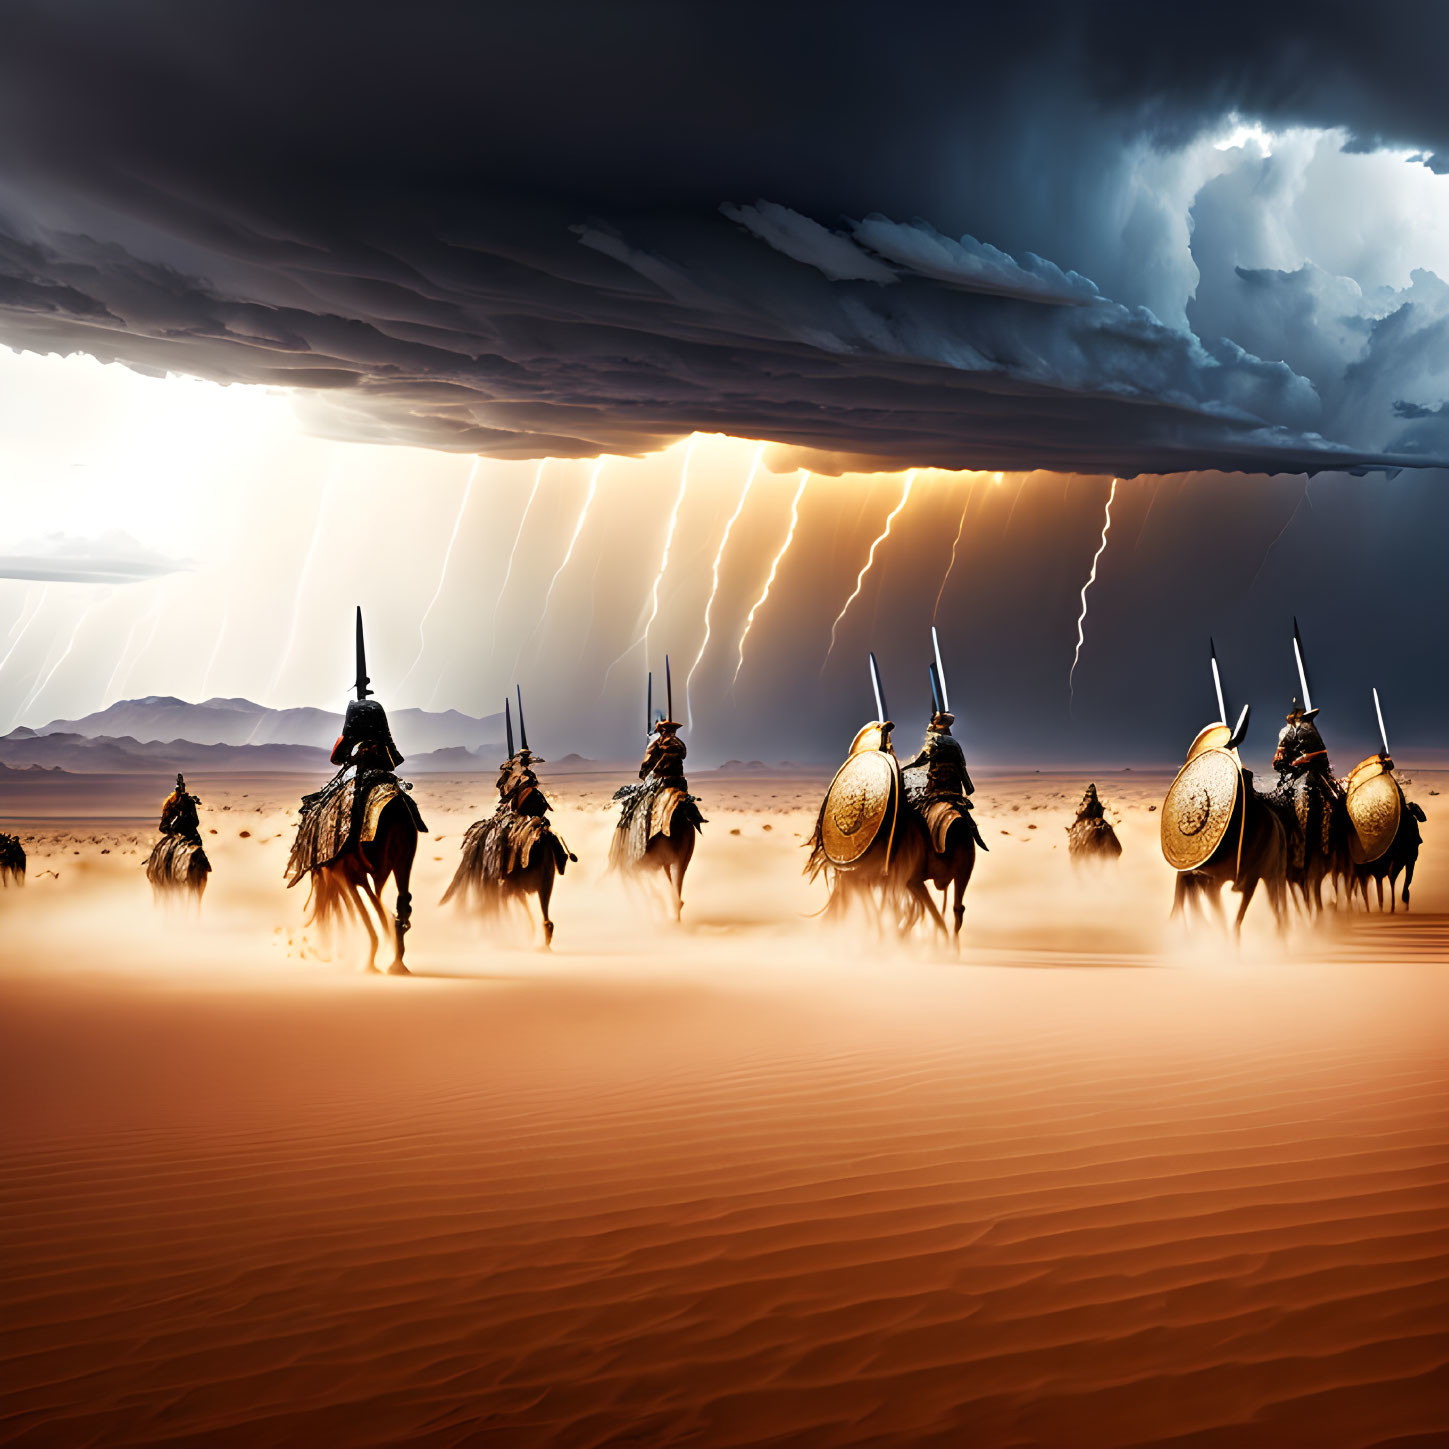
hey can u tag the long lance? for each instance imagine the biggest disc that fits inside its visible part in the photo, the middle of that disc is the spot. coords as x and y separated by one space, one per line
668 690
362 680
1302 673
1383 733
935 689
508 725
522 728
1218 681
940 672
879 692
649 706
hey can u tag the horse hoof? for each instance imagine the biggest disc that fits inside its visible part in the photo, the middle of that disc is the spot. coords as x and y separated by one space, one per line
398 969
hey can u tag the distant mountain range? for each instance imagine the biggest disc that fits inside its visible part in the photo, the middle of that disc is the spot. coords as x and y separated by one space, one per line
161 734
241 722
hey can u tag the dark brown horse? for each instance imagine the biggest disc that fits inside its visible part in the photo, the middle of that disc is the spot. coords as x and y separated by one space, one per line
889 881
669 854
12 860
949 869
178 867
1401 857
494 871
1264 861
353 882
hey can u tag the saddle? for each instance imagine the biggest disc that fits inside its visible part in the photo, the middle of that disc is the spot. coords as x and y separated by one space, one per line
171 859
343 814
647 810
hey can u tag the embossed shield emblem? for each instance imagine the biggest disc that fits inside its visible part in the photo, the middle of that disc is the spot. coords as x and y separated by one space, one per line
861 802
1374 804
1200 808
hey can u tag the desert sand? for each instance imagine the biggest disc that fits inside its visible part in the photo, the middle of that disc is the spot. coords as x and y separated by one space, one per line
1096 1181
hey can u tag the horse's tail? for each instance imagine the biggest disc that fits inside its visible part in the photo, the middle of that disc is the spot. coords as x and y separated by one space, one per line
327 899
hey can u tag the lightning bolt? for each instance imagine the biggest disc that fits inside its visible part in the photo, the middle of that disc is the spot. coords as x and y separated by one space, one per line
714 586
215 650
880 538
21 627
568 554
155 617
1278 537
1091 579
64 655
961 528
442 573
121 659
770 578
302 573
663 563
513 553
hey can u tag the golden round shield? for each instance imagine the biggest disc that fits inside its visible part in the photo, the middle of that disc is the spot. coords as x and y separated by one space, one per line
1200 808
1210 737
1374 805
859 805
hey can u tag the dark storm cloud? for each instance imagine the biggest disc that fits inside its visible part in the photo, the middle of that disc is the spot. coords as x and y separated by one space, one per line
566 229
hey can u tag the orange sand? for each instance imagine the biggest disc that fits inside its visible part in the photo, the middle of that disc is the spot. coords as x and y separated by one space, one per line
748 1182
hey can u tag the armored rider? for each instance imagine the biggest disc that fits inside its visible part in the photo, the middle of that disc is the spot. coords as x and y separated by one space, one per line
178 814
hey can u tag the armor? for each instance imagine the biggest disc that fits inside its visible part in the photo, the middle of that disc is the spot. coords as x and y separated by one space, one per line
939 766
1091 833
518 786
648 809
1306 796
178 814
366 740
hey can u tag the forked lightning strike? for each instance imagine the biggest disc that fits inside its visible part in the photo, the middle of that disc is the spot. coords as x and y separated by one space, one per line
881 537
513 554
663 565
770 577
579 522
1091 579
442 573
714 585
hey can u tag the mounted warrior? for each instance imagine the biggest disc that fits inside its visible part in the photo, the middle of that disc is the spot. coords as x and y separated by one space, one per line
658 818
12 860
513 853
1090 836
1217 829
360 830
1308 798
938 791
177 861
1383 825
870 845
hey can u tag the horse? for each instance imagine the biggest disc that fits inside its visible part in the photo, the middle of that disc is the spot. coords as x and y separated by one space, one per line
12 860
1263 859
949 866
1401 856
497 868
354 879
642 851
177 866
891 877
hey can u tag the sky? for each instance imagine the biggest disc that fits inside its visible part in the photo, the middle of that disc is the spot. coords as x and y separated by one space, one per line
533 332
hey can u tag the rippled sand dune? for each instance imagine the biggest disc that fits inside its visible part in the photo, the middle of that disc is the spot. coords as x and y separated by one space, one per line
1095 1182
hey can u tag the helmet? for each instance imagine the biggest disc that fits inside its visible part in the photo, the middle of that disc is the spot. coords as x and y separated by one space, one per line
366 723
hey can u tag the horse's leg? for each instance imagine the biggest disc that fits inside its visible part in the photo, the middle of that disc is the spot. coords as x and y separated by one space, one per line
545 894
402 874
1214 893
922 897
351 894
1408 881
1179 898
1248 889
